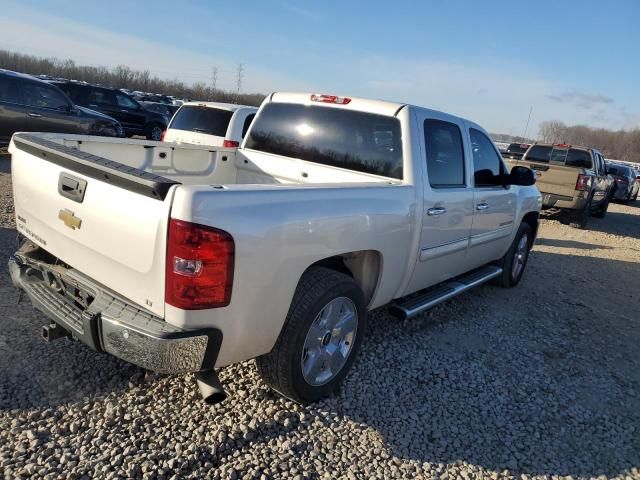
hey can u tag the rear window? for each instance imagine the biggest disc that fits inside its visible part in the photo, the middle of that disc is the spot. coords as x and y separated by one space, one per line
360 141
517 148
578 158
539 153
620 171
212 121
568 157
8 90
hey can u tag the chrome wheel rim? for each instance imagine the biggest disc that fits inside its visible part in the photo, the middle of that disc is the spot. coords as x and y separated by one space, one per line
329 341
520 256
156 133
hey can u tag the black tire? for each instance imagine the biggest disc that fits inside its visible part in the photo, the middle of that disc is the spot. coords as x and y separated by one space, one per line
602 210
281 368
581 219
153 131
508 278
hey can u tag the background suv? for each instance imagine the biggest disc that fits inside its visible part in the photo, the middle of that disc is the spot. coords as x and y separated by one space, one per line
31 105
135 119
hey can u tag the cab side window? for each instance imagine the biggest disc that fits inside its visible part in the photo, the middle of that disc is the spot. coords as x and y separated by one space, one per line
445 154
488 169
247 123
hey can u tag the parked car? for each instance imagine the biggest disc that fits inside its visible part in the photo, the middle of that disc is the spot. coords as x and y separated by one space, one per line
626 183
516 150
135 119
210 123
28 104
332 207
161 108
571 179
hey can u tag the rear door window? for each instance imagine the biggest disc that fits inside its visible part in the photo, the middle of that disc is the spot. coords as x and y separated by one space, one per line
445 154
8 90
194 118
360 141
105 97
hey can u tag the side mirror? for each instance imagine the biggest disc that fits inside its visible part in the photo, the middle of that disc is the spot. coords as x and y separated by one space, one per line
521 176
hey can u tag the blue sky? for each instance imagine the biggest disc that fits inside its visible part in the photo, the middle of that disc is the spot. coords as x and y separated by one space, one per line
486 60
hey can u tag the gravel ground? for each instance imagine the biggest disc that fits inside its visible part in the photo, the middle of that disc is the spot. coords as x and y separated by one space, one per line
539 381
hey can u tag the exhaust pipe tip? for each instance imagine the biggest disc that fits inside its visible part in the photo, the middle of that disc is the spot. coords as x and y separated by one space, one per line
54 332
210 387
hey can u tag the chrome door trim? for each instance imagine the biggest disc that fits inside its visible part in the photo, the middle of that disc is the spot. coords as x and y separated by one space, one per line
443 249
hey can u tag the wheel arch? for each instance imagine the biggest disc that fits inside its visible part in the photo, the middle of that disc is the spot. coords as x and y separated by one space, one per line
364 266
532 219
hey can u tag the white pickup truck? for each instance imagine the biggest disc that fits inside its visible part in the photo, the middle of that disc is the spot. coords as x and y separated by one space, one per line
185 258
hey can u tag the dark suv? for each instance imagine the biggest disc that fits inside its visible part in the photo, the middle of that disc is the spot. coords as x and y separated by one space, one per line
135 119
31 105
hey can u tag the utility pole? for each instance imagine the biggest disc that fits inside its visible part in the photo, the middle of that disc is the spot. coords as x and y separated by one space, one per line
524 137
239 80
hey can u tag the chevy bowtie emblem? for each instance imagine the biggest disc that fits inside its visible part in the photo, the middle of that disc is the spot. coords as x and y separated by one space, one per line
69 219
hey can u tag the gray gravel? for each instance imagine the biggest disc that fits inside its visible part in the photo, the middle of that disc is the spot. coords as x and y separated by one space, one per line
540 381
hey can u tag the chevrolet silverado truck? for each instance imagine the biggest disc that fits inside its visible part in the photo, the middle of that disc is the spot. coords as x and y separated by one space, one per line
185 258
573 180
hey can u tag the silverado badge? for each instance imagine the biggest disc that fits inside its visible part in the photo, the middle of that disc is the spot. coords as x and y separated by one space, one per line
69 219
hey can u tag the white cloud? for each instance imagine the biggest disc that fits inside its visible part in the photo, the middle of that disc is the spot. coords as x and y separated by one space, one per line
52 36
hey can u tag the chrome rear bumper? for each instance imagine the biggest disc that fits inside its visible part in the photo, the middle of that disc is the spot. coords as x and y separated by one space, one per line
109 322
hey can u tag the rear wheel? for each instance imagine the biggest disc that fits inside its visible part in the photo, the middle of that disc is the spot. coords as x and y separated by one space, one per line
602 210
320 338
581 219
515 260
154 132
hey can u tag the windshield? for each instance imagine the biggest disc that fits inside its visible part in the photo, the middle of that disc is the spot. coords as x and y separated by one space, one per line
360 141
201 119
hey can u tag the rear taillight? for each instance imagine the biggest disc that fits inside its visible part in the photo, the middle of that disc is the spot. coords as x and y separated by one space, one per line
584 182
199 271
162 136
230 144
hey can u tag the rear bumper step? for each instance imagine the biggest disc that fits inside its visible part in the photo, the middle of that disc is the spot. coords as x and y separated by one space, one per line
109 323
422 301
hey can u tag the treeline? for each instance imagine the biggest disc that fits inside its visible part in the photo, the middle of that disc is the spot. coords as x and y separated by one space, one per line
121 77
618 144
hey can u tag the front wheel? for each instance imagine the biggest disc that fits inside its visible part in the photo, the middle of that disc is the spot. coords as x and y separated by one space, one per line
515 260
320 338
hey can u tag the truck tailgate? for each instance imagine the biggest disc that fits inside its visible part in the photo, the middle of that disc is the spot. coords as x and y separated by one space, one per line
112 228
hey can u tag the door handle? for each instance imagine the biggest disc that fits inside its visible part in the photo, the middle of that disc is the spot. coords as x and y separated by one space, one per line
482 206
34 115
124 111
93 105
436 211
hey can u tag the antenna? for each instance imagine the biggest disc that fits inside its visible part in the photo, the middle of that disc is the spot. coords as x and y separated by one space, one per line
524 137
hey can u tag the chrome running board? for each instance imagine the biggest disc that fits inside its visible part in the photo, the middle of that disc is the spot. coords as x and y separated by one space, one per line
419 302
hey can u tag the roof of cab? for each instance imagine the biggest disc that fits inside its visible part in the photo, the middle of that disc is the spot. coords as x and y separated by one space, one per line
232 107
25 76
381 107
